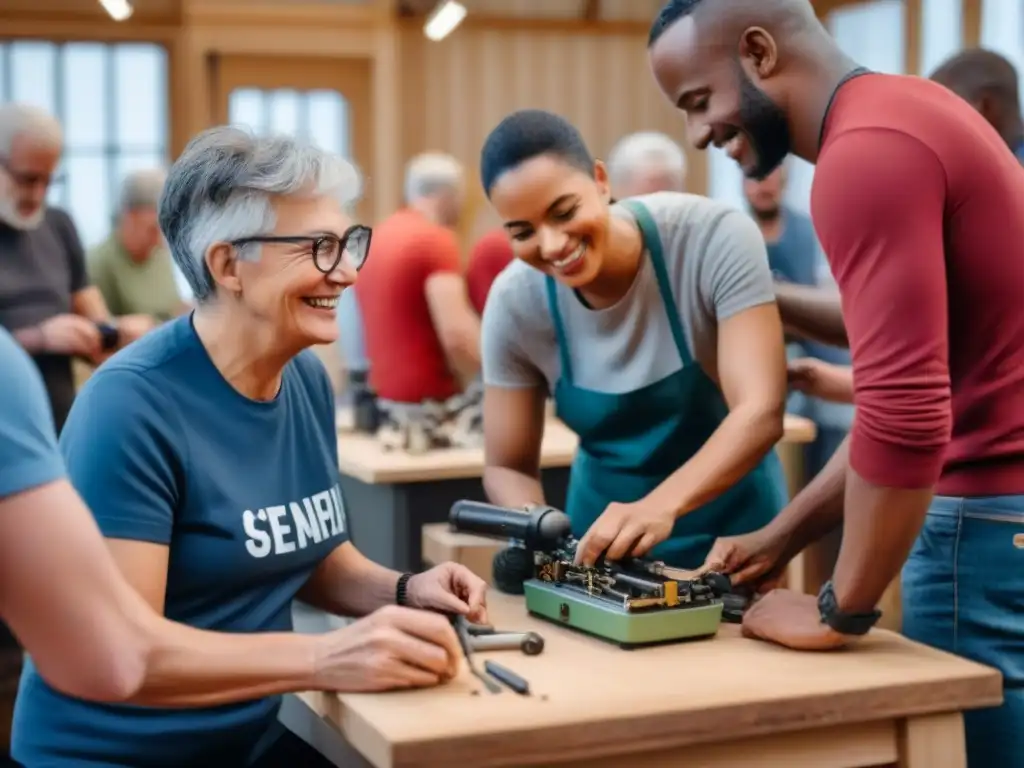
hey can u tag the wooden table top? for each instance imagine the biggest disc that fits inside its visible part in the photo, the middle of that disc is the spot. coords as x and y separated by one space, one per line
362 457
591 698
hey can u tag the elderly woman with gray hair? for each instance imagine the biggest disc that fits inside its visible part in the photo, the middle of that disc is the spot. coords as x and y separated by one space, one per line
207 452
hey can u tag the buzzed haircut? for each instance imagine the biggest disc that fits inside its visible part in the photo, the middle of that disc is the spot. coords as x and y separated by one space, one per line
527 134
978 72
670 13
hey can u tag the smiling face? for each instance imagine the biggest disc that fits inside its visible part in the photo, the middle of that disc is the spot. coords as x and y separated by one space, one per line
724 90
556 217
282 288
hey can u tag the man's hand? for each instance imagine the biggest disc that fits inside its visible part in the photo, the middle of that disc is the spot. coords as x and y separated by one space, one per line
822 380
791 619
756 559
625 530
132 327
451 588
70 335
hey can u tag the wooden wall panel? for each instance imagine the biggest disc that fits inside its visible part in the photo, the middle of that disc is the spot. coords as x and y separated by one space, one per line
455 91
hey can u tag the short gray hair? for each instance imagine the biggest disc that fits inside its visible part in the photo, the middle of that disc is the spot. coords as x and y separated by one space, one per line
16 119
141 190
645 150
430 173
221 189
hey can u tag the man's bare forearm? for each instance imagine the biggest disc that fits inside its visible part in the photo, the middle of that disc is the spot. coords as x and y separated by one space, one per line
878 533
812 313
818 509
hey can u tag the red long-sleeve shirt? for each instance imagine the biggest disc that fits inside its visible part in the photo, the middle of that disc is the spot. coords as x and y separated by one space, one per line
919 206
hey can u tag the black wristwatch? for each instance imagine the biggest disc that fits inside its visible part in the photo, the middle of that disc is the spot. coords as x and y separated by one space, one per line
844 623
401 590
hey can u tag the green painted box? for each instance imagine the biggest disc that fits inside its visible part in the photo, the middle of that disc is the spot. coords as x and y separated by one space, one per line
570 607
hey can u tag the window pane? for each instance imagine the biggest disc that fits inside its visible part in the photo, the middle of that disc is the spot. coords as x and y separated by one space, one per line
284 112
85 96
141 77
137 161
88 196
4 96
872 34
1002 30
245 109
328 121
57 193
940 32
33 74
725 178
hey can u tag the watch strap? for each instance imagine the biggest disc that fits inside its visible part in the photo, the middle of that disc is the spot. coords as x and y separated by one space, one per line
844 623
402 589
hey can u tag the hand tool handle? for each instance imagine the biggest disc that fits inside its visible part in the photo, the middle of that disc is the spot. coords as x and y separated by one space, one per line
508 677
529 643
538 527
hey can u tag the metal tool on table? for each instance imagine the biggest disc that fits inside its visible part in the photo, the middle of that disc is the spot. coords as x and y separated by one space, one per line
530 643
474 637
633 602
459 623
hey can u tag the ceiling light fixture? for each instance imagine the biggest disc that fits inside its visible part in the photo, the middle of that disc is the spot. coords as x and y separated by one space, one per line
119 10
445 17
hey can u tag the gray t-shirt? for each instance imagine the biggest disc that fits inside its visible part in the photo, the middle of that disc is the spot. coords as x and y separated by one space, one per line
717 264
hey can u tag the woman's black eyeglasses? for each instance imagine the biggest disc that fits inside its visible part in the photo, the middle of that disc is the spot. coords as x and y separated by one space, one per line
327 250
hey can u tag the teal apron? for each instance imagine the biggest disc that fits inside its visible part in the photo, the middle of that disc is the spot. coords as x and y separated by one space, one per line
631 442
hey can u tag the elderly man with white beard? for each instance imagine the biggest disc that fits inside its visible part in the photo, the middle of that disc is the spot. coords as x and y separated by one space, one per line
46 301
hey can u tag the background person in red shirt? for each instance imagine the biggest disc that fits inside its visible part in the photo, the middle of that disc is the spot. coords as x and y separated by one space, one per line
916 200
422 335
490 254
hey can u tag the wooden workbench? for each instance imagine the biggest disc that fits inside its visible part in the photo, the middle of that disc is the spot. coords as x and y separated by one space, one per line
724 701
391 495
440 544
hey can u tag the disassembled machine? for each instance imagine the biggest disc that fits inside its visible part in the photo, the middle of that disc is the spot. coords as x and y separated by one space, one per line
632 602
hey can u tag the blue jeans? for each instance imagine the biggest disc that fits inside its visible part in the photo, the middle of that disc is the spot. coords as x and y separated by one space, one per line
963 592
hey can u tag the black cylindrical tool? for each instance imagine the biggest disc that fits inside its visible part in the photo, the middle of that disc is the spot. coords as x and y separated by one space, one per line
542 528
507 677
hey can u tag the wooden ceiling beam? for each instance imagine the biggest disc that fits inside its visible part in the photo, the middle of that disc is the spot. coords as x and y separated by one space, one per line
591 10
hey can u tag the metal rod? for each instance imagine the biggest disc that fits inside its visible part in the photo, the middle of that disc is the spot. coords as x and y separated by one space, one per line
508 677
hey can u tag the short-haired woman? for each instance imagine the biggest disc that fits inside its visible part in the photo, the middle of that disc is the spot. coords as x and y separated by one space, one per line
207 452
652 323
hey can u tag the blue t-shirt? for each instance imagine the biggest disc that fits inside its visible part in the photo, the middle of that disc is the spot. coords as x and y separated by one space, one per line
28 440
246 496
793 258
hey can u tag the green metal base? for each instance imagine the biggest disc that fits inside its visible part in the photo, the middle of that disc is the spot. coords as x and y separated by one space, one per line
570 607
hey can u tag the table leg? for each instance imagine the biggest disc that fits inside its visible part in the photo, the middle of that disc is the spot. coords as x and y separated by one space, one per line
933 741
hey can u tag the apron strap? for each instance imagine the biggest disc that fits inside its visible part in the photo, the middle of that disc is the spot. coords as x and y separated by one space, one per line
652 241
556 319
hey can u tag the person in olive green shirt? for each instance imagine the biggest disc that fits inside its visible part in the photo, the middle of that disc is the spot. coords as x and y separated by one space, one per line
132 268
